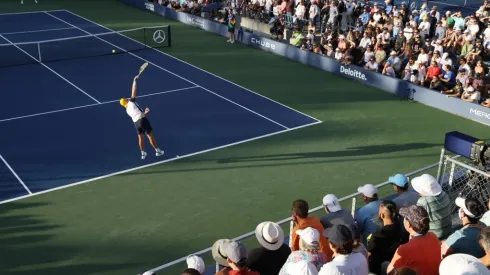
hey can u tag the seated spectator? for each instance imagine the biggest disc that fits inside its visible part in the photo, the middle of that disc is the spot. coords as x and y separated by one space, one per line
465 240
367 216
436 202
436 83
358 246
345 261
486 103
309 250
383 243
338 54
237 259
484 240
371 65
196 263
423 251
457 91
446 60
405 197
273 253
189 271
300 217
470 95
335 213
404 271
432 71
218 251
447 77
462 264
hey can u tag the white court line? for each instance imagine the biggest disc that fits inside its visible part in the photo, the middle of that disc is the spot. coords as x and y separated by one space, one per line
46 66
249 234
159 162
95 104
224 79
43 30
15 174
231 101
26 12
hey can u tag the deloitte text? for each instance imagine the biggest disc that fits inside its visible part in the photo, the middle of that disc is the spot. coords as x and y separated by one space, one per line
263 43
353 73
150 6
196 22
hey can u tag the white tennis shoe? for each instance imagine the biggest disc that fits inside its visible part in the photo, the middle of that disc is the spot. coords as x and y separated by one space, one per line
159 153
143 155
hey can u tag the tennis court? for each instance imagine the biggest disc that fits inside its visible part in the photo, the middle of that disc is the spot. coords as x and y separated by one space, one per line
63 124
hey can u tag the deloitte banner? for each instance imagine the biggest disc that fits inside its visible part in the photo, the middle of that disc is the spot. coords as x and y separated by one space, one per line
392 85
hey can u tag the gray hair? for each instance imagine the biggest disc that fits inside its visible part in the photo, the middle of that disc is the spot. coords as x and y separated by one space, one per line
484 239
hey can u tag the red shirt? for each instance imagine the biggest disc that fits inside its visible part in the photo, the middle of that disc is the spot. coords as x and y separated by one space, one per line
433 71
422 253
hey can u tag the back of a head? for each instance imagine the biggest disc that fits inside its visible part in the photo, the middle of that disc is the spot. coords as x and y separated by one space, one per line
404 271
476 208
389 208
484 238
300 208
191 271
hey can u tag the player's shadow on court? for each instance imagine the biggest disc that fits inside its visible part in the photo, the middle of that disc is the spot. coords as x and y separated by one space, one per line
350 152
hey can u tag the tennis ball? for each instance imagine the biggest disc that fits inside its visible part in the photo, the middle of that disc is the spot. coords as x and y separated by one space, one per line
113 51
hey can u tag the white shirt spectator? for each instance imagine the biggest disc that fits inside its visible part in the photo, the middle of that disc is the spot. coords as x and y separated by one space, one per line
338 55
365 42
475 96
424 28
354 263
466 67
377 16
368 55
486 33
300 11
372 66
408 32
423 58
262 3
310 36
438 47
313 11
445 60
422 72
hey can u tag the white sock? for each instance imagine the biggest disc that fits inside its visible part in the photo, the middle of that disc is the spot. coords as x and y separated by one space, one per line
157 150
143 152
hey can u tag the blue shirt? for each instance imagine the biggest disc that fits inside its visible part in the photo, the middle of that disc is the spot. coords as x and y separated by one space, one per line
406 199
465 241
448 75
388 9
365 17
367 219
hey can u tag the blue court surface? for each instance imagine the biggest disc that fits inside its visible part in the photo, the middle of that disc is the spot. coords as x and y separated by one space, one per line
62 124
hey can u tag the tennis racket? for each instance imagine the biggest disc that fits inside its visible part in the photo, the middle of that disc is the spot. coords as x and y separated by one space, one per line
143 67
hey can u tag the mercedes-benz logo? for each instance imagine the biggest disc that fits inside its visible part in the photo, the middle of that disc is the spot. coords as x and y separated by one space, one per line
159 36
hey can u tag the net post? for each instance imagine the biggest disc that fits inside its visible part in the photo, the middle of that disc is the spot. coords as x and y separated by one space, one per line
169 36
353 208
439 169
39 51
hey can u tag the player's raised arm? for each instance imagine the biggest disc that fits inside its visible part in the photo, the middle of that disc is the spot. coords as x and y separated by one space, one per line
133 91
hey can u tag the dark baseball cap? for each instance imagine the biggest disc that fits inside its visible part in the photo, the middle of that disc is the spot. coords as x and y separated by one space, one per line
339 234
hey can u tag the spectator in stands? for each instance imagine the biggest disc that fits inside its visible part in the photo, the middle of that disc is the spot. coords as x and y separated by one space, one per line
273 253
195 263
372 65
465 240
218 251
383 243
358 246
309 250
367 216
470 95
486 103
345 261
237 256
404 271
405 197
462 264
300 217
423 251
436 202
484 240
335 213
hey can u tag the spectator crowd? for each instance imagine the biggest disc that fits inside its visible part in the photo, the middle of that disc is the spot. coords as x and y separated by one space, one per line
412 233
443 51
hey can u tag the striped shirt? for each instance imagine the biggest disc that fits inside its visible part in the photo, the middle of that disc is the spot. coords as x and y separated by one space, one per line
439 211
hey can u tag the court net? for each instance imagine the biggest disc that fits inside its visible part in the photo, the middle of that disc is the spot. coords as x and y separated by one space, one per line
110 43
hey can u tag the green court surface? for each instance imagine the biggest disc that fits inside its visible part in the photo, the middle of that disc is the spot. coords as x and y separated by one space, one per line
129 223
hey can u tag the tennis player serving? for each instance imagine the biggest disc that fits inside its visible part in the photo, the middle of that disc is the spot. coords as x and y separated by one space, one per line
141 123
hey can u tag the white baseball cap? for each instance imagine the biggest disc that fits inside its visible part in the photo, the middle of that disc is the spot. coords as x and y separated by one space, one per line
331 202
195 262
426 185
368 190
461 203
462 264
309 235
301 268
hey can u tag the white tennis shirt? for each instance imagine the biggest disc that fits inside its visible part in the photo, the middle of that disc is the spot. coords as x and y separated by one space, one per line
134 111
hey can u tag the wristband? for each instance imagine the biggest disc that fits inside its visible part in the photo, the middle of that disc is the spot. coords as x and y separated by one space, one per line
134 83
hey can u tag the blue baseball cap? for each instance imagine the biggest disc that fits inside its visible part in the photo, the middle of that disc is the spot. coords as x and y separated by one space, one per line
399 180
